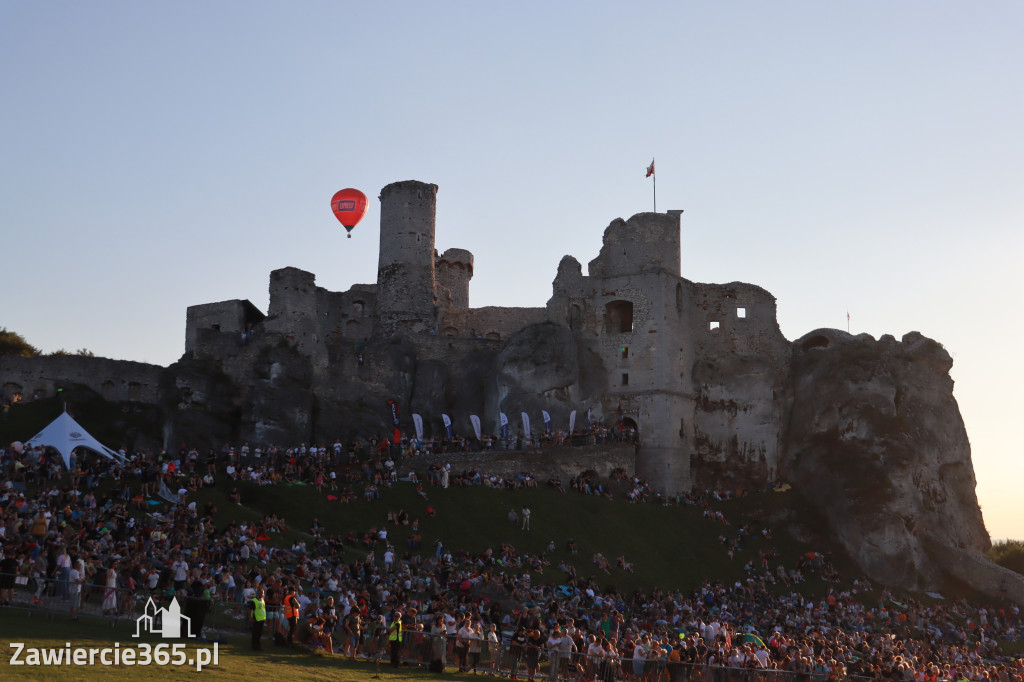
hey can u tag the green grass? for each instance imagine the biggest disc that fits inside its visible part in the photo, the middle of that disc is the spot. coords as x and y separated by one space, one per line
235 661
670 546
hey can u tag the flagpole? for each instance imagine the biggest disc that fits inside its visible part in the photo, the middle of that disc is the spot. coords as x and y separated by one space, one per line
654 178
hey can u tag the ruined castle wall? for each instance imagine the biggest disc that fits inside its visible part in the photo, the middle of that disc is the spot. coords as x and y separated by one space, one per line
746 320
294 314
405 270
346 315
118 380
491 322
230 317
740 371
647 242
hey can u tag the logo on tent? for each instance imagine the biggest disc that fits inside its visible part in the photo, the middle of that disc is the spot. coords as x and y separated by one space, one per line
75 434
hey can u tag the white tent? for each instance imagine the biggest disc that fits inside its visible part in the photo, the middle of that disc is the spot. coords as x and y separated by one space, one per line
64 434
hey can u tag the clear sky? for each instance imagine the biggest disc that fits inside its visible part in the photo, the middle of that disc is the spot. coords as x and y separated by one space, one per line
864 157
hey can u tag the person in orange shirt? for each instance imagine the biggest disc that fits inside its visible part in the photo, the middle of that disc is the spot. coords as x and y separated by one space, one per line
290 612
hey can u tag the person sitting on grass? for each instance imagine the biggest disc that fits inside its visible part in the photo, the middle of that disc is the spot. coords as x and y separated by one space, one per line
319 635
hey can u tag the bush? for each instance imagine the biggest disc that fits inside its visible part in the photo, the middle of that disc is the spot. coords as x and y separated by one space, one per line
1008 554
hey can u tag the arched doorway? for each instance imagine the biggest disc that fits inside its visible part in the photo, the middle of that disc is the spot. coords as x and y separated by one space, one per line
629 429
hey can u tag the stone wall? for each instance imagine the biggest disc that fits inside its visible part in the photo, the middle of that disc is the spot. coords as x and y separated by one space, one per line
230 317
647 242
491 322
565 462
116 380
740 375
347 315
293 313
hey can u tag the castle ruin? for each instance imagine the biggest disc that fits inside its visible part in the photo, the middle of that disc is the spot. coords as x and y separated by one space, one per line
694 368
867 429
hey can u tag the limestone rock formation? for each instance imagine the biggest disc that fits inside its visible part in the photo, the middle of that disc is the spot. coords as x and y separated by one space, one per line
875 439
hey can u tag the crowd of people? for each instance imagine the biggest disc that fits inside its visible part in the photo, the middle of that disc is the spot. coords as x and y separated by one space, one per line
356 594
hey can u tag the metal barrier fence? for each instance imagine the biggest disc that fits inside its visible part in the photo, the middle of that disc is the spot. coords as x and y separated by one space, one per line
57 597
506 659
53 598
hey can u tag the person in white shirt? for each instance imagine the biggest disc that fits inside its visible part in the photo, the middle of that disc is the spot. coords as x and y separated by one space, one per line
640 656
180 568
76 578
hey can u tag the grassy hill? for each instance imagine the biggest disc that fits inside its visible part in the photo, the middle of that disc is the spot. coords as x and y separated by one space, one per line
669 546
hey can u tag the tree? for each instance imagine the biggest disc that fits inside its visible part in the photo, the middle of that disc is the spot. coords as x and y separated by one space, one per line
84 352
1008 554
12 343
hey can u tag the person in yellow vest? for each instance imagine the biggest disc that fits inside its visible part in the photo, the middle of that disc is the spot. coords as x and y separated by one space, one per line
290 611
395 638
258 615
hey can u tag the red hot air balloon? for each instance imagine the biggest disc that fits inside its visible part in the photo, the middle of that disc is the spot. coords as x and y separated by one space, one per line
349 206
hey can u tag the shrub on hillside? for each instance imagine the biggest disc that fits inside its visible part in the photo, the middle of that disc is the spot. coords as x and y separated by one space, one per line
1008 554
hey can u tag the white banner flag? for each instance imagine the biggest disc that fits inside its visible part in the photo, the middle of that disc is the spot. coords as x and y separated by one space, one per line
526 425
418 423
572 421
476 425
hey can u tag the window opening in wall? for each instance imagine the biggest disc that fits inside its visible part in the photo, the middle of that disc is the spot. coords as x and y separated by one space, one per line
741 313
216 327
714 326
625 379
625 352
575 316
618 317
357 308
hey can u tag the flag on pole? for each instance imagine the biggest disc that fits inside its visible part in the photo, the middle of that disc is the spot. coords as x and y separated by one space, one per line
447 425
397 438
650 169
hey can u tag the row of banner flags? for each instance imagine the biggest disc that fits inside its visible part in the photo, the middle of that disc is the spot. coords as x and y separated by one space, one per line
417 421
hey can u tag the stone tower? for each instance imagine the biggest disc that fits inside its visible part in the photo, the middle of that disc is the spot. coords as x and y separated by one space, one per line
293 312
454 270
406 299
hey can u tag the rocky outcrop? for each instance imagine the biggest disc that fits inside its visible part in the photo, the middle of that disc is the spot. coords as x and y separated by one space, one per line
875 439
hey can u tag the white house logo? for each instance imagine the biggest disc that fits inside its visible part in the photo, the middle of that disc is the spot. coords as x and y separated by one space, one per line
169 618
165 622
